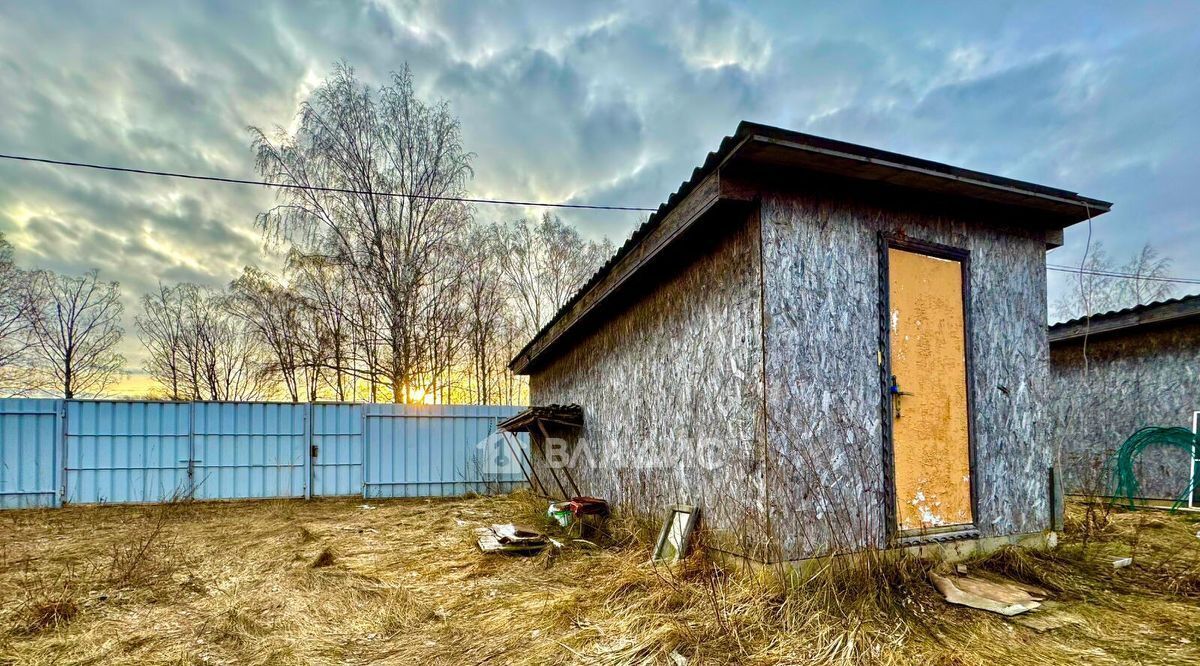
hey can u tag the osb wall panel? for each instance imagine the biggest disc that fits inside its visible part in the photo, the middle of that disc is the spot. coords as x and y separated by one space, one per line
1138 379
671 390
824 432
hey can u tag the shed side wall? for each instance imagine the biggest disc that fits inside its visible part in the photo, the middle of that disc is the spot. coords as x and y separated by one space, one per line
1133 380
824 430
671 390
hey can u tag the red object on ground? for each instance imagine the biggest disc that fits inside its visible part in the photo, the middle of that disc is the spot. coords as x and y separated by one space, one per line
588 506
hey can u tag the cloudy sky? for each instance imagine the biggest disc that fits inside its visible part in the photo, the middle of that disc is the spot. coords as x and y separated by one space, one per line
592 102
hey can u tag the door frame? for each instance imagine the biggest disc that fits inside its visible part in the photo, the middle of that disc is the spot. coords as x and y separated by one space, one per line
888 241
1194 491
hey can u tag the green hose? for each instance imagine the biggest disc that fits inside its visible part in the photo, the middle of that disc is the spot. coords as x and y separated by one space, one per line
1126 480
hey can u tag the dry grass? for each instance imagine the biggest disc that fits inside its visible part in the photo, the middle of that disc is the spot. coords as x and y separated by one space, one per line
330 582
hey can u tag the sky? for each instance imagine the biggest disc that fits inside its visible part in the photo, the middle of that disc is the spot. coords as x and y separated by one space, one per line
584 102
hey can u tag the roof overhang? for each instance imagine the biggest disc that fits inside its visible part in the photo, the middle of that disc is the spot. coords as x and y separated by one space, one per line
533 419
732 178
774 147
706 200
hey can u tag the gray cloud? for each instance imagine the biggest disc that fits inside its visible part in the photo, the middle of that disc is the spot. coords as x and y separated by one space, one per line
585 102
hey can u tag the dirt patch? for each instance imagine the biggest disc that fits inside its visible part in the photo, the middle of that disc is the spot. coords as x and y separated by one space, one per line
234 583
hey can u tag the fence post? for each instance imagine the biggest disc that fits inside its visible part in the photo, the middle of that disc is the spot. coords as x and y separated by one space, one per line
191 456
60 452
309 415
366 449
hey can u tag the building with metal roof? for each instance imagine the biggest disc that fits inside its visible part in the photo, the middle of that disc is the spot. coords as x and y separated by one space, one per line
1115 372
826 347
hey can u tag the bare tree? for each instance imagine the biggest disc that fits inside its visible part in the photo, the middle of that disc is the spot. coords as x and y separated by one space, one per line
76 330
1148 266
486 309
367 337
222 358
161 329
198 350
1098 289
355 149
543 264
18 372
326 291
440 327
279 319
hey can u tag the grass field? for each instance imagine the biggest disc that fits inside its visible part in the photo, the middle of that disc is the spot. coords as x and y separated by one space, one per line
401 582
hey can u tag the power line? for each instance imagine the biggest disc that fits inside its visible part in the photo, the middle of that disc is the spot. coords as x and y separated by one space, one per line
315 188
500 202
1118 274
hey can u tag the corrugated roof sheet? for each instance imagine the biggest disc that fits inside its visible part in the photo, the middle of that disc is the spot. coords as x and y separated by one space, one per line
1099 317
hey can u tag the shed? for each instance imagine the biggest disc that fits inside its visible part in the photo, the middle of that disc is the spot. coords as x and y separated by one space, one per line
1142 369
826 347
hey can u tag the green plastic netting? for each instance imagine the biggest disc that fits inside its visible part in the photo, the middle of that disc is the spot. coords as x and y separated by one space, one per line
1127 487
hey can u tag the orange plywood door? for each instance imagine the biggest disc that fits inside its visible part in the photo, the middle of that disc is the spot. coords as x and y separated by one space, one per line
930 436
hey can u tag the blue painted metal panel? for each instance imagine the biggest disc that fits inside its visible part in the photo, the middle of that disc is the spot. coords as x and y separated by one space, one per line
337 468
103 451
126 451
29 443
249 450
435 450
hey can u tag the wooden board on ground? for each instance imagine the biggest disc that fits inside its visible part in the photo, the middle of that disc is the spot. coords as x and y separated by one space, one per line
509 538
1003 597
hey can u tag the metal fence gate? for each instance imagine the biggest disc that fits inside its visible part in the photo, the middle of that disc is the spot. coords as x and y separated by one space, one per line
29 453
404 461
249 450
120 452
109 451
337 450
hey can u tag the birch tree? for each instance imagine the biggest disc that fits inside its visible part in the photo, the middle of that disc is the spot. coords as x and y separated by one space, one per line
1147 267
281 323
1104 286
197 349
543 264
353 150
326 290
222 359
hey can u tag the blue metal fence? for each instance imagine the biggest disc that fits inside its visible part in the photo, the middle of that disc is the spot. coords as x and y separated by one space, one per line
30 451
107 451
120 452
337 441
249 450
403 460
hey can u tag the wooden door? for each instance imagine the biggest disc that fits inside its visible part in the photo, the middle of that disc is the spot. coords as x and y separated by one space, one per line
931 446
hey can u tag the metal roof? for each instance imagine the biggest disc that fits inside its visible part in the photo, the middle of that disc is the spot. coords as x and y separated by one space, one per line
1172 310
774 146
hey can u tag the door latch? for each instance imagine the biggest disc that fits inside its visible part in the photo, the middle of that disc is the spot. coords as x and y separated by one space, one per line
896 393
312 451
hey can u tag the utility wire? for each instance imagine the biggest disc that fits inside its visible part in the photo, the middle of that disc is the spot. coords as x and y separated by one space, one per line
1118 274
342 190
501 202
